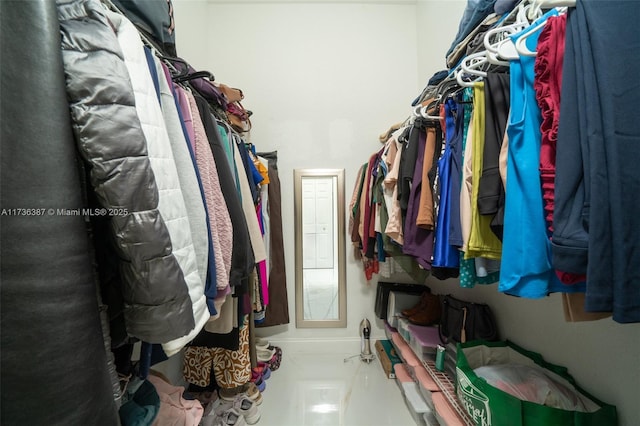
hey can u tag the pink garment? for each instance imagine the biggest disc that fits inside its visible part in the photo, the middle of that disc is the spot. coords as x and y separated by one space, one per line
187 117
262 266
219 220
401 373
174 409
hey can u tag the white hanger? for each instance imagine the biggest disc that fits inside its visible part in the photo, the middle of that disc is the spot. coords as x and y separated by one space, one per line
502 36
471 63
521 45
538 5
424 113
503 50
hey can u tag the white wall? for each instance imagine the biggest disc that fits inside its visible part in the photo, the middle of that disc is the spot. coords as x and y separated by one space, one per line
437 24
324 78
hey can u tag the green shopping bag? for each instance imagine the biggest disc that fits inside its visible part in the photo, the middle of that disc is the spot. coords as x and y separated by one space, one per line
489 400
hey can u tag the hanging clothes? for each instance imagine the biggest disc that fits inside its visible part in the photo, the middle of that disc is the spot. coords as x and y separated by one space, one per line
598 123
242 261
170 201
444 254
455 145
418 242
277 312
157 306
491 191
220 226
482 241
526 268
468 276
201 296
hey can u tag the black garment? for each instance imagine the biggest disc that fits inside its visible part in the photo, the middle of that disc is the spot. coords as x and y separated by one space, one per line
497 106
491 195
408 161
54 363
229 341
242 259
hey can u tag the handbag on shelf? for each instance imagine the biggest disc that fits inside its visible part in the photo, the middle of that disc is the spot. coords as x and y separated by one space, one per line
463 321
238 117
231 93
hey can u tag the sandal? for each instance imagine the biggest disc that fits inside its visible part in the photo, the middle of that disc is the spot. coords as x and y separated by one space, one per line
274 362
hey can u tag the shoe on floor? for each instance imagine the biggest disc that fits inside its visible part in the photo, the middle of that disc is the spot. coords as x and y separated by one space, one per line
225 418
262 369
430 312
250 389
265 354
421 305
263 343
259 382
241 404
274 362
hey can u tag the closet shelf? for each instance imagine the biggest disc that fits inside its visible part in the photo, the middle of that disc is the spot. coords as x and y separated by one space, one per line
448 389
444 382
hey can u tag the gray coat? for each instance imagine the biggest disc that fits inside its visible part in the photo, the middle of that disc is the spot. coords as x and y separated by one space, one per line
110 138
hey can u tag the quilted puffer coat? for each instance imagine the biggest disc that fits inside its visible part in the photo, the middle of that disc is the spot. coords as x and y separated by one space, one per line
110 138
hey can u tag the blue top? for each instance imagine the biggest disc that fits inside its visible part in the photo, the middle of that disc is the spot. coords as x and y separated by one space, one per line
526 268
444 254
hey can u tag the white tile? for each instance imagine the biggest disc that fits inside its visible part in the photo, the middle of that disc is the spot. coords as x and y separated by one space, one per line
320 388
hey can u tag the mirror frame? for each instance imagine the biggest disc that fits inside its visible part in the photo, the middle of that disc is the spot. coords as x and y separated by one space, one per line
341 322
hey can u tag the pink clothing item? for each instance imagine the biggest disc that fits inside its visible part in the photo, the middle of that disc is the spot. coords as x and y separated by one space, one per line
401 373
547 84
219 220
262 267
446 411
187 117
425 380
394 225
174 409
368 224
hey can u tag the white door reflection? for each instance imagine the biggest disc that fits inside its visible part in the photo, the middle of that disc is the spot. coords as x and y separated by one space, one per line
320 248
320 258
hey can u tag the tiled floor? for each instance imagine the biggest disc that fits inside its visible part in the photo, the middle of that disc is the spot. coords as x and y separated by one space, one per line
320 388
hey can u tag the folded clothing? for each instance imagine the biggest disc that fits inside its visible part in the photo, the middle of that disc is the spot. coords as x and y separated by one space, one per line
402 375
530 383
445 413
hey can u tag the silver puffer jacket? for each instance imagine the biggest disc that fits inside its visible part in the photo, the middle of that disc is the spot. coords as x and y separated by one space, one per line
110 138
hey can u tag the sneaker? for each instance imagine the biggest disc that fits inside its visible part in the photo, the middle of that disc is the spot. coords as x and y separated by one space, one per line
229 417
262 343
241 404
265 354
252 391
259 382
261 370
249 389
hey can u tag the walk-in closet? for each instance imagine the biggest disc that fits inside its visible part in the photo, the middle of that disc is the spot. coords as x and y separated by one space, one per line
324 212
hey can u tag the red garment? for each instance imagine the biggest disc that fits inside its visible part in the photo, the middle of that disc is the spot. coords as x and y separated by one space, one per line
369 213
548 84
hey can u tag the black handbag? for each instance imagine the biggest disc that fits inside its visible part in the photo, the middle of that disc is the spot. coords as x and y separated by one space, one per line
465 321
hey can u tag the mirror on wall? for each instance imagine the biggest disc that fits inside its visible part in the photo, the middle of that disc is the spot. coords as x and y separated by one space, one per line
320 248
